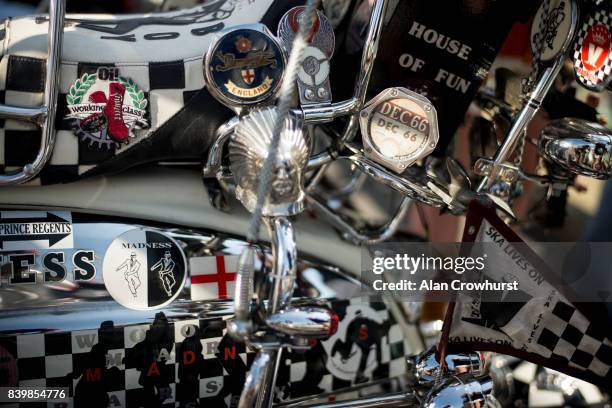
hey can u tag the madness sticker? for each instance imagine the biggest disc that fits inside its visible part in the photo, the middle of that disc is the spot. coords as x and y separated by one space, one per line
144 269
592 63
104 108
35 230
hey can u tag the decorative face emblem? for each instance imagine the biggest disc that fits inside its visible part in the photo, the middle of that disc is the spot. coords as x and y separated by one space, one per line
248 150
105 108
244 66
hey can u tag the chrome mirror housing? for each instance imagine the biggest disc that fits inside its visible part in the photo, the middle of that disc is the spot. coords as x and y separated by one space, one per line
578 146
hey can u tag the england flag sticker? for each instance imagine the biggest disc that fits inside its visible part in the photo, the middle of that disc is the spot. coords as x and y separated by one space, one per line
213 277
144 269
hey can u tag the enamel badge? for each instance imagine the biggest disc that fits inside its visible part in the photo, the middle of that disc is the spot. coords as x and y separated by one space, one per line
244 66
592 59
104 108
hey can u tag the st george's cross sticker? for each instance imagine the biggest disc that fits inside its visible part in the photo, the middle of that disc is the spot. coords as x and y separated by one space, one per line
592 57
213 277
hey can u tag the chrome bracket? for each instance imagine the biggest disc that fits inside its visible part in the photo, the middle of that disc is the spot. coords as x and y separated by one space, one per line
43 116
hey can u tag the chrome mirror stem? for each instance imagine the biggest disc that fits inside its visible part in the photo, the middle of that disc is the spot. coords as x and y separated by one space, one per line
526 114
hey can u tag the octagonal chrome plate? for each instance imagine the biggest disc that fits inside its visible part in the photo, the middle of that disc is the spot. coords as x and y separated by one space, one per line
244 66
398 128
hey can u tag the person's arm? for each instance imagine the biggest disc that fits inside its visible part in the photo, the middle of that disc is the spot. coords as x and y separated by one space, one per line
158 263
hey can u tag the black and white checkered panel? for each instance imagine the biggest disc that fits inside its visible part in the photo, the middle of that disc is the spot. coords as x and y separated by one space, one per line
602 74
572 340
167 85
116 362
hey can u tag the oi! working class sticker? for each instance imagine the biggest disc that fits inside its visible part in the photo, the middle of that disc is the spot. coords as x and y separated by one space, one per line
144 269
104 108
592 58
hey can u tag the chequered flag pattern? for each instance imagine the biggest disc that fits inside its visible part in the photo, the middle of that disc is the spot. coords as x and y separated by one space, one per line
184 359
603 74
577 342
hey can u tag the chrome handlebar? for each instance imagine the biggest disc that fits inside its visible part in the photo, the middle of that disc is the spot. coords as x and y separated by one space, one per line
43 116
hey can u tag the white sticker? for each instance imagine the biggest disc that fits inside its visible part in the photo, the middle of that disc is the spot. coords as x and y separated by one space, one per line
144 269
21 230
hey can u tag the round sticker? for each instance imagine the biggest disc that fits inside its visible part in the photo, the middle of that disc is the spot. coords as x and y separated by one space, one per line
244 66
105 107
595 47
144 269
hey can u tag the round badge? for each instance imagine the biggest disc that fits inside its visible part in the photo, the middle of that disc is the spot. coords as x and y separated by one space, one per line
244 66
551 33
105 107
399 128
315 67
144 269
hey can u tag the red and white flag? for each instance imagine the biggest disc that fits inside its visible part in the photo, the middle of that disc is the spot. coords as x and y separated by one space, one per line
213 277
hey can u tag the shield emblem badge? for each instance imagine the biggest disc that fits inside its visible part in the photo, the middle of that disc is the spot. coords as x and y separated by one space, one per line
248 76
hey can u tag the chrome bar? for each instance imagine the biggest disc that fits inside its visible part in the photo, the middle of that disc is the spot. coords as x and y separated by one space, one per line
45 115
35 115
397 400
281 280
352 106
253 381
531 106
215 153
405 185
369 237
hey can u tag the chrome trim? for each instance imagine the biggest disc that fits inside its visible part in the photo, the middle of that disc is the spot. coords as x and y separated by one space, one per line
530 107
43 116
303 322
367 237
578 146
253 382
395 400
404 183
462 391
215 153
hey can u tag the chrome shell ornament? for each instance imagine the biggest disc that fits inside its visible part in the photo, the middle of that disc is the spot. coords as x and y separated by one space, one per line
398 128
248 149
244 66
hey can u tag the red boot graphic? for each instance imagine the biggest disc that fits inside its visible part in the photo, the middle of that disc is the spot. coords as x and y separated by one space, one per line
117 129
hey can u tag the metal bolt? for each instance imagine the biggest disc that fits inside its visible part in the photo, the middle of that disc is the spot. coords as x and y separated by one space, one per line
432 145
471 230
364 114
322 93
394 92
427 108
308 94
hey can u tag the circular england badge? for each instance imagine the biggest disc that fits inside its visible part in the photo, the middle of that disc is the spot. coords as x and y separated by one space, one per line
104 108
144 269
244 66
